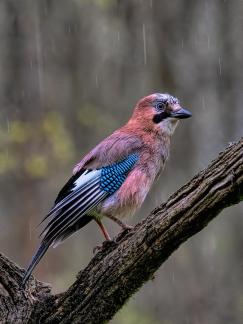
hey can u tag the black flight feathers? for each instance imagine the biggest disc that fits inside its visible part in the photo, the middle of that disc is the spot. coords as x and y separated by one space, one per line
75 202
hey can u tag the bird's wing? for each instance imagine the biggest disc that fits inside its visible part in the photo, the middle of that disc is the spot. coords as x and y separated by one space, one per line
82 193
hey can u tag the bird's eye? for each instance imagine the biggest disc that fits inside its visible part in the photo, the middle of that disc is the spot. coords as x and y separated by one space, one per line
160 105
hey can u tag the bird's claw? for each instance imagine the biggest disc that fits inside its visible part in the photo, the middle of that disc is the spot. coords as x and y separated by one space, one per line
127 227
104 245
108 243
97 248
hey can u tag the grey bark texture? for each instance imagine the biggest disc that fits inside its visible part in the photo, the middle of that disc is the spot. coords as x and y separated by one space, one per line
121 268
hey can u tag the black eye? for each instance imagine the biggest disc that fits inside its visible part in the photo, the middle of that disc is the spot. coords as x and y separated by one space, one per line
160 105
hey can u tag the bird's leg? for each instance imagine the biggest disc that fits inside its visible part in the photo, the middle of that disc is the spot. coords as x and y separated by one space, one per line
106 235
124 226
103 230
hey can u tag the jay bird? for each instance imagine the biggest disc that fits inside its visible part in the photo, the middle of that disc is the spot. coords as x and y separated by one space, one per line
114 178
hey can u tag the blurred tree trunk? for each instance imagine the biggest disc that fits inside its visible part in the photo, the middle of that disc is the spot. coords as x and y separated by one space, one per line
121 268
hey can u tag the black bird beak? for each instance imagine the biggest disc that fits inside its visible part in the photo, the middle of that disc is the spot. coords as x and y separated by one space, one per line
181 113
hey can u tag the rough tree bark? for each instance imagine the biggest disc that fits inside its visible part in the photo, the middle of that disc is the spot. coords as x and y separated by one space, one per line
120 269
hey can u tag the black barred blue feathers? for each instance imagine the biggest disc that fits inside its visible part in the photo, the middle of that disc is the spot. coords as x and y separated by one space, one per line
77 200
113 176
109 190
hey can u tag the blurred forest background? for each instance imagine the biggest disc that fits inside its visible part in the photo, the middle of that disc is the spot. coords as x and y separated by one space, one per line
70 73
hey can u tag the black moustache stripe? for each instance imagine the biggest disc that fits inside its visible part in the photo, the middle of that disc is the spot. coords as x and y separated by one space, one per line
161 116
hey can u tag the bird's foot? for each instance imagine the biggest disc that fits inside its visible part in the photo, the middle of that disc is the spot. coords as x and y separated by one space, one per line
123 232
104 245
126 227
97 248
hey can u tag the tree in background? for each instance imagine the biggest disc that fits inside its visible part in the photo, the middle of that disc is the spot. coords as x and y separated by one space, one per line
70 73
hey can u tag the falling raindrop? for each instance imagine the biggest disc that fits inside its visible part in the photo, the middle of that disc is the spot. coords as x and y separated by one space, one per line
144 45
151 3
118 36
39 55
208 41
220 66
8 125
182 43
30 231
96 80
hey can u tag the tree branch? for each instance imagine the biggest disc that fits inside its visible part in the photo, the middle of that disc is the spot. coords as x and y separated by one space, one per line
119 270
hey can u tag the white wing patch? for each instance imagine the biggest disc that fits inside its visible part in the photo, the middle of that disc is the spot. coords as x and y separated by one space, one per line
86 177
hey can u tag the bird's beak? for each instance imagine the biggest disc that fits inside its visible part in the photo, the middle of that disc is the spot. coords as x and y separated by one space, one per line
181 113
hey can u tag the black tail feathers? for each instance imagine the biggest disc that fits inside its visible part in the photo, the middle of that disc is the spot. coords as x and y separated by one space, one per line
54 241
35 260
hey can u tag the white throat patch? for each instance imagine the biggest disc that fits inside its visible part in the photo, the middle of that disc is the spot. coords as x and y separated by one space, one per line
168 125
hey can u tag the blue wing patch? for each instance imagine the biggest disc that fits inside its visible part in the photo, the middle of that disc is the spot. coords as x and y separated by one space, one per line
114 175
80 195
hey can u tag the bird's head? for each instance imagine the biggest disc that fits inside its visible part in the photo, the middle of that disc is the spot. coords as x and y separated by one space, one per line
159 112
